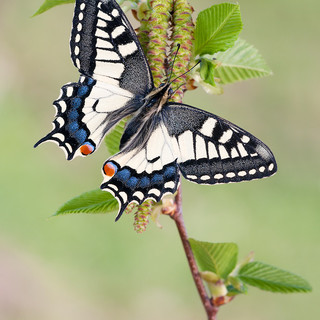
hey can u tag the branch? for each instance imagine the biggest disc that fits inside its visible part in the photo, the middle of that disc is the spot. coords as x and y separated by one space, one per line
177 216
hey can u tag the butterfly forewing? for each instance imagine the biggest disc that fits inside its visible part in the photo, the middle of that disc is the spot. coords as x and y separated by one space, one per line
213 150
104 46
107 52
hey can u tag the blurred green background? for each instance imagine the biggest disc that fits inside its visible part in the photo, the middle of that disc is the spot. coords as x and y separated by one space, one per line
87 266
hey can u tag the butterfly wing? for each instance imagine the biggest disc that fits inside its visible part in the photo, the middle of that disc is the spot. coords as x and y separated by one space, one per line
213 150
105 49
145 171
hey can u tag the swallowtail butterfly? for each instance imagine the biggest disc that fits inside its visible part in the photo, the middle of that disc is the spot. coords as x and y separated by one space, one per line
162 139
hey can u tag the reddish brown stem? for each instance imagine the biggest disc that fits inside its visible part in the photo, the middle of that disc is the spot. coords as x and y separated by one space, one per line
178 218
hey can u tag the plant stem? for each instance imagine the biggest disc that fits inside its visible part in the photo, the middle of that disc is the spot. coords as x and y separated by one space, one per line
211 310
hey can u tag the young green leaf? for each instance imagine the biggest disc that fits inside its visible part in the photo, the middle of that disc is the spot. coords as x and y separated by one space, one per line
207 71
241 62
95 201
220 258
112 140
48 4
217 28
270 278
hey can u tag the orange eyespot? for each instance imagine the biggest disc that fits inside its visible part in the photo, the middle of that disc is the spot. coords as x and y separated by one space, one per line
109 169
86 148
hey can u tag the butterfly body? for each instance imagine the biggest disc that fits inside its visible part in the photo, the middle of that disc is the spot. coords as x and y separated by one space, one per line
162 138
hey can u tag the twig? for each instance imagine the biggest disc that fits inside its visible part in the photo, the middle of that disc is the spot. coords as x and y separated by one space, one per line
177 216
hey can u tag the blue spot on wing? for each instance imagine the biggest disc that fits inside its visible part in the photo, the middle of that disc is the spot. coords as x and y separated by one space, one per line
169 172
83 90
76 103
132 182
81 136
73 115
157 179
72 127
123 175
144 182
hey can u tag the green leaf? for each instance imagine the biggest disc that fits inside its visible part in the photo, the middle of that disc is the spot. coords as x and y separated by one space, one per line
217 28
207 71
269 278
112 140
241 62
220 258
95 201
48 4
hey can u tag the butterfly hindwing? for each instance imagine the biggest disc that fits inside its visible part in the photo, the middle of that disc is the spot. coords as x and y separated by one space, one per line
213 150
147 171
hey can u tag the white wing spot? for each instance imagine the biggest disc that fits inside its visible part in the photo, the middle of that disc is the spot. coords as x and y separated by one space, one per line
76 50
242 150
101 23
262 169
105 44
68 147
115 12
139 195
169 185
201 151
234 153
205 177
253 154
271 167
63 106
109 69
107 55
80 17
212 151
242 173
252 171
245 139
102 34
156 192
78 63
230 175
127 49
208 126
104 16
118 31
186 146
77 38
218 176
59 136
69 91
223 152
192 177
79 27
82 6
226 136
124 196
112 186
60 121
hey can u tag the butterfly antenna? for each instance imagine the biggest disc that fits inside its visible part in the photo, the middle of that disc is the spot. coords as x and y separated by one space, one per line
186 72
173 93
174 59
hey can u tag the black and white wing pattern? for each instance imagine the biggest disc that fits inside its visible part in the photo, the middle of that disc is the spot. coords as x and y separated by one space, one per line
213 150
143 170
105 49
205 148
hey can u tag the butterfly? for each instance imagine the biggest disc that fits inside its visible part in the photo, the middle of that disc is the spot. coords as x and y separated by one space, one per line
163 139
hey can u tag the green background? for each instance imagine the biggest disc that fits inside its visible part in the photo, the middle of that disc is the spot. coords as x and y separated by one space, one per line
87 266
